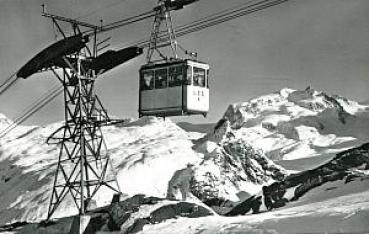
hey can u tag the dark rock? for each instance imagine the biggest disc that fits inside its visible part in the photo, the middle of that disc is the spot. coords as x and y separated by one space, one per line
344 166
244 207
181 209
121 211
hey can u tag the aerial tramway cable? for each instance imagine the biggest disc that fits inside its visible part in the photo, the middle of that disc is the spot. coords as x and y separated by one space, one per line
215 19
122 23
8 83
197 25
218 14
230 15
33 108
225 19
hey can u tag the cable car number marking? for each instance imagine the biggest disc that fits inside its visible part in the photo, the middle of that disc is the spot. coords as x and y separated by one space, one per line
198 93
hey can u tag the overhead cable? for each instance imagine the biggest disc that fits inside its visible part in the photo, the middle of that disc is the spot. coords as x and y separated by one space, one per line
215 19
7 83
197 25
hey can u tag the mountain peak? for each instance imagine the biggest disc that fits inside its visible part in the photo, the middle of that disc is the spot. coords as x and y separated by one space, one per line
290 102
298 123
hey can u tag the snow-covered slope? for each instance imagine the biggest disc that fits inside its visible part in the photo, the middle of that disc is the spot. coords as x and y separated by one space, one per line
294 124
338 205
145 153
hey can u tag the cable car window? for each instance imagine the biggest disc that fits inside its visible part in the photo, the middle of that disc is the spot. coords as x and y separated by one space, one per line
161 77
189 75
198 77
207 78
175 76
147 80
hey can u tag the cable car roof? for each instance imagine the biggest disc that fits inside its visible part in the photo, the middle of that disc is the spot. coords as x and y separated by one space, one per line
170 63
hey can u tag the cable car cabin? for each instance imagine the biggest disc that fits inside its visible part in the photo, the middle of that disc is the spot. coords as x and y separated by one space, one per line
174 89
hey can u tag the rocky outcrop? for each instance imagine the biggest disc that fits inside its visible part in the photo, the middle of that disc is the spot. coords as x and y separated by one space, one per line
230 167
132 214
347 166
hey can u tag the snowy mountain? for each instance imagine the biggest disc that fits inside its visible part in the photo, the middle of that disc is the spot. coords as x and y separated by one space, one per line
282 126
294 124
219 165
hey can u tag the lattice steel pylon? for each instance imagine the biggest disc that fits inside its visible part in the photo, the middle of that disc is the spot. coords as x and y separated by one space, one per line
84 165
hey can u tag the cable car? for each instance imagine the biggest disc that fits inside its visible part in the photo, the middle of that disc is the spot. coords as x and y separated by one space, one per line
169 85
174 88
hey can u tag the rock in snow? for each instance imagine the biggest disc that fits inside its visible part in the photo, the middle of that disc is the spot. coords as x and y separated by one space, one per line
128 216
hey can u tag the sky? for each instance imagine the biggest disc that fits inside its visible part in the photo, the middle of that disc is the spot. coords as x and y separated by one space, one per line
319 43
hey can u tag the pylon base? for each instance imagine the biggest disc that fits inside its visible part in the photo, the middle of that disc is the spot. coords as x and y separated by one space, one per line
80 224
